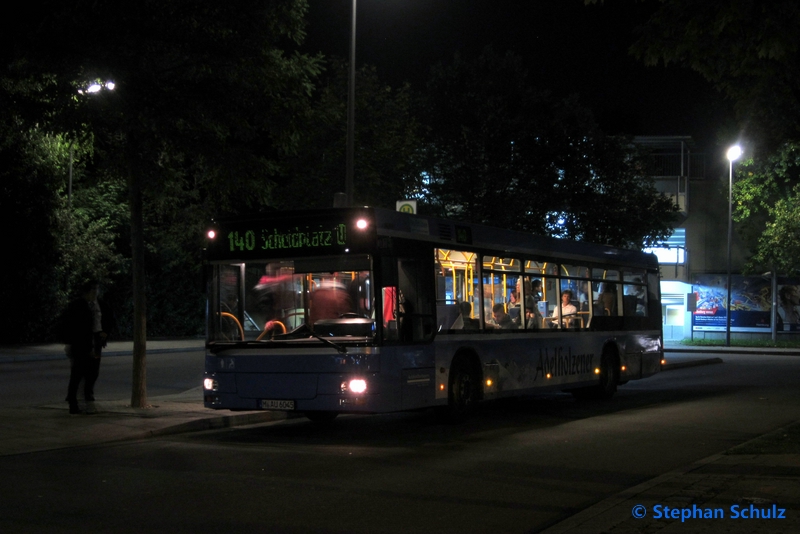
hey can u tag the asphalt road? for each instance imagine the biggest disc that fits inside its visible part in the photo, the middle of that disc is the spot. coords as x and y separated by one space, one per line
518 466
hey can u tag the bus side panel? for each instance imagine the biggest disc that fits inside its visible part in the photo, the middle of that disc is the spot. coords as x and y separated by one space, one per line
640 356
520 364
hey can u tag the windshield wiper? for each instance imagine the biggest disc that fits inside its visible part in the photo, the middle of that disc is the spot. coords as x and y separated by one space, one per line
340 348
299 330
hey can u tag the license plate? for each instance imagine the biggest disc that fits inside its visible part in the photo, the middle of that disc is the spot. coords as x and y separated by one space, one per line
286 405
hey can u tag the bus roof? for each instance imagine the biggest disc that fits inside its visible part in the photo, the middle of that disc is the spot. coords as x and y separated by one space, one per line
452 234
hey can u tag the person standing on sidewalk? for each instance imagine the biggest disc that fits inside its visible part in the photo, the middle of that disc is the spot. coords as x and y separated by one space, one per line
86 329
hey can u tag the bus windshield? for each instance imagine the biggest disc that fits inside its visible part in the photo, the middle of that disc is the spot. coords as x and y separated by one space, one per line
259 301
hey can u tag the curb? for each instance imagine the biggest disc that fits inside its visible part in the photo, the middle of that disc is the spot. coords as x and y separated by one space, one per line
762 351
215 423
690 363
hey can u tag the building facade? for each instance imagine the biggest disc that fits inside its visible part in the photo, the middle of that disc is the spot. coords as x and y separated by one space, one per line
694 260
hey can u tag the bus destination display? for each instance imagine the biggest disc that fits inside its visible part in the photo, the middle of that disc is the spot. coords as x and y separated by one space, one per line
257 240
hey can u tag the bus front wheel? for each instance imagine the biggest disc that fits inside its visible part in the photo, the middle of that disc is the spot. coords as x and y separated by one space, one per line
464 391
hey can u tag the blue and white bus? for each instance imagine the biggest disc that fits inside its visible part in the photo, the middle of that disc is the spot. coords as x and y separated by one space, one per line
366 310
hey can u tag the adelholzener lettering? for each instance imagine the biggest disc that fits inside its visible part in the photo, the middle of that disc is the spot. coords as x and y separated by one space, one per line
561 362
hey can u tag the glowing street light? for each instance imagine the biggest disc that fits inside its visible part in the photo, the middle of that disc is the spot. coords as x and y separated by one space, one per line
733 154
97 86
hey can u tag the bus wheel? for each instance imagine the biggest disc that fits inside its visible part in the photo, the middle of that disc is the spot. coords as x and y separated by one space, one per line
321 417
609 376
464 393
607 386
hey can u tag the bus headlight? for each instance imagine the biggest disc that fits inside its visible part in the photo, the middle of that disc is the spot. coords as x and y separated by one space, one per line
356 385
210 384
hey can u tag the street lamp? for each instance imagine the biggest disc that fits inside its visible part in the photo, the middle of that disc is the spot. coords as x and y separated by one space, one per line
734 153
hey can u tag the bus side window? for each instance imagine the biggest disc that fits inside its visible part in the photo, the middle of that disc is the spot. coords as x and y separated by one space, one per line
634 302
607 299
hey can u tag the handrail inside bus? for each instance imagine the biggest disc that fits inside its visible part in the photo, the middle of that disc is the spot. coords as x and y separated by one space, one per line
236 320
274 323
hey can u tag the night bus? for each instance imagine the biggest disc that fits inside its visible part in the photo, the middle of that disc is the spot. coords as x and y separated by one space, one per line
367 310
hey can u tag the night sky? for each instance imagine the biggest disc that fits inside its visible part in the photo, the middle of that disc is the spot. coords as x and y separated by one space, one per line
567 46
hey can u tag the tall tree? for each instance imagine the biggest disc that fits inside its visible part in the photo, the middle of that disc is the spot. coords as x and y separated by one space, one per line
504 153
205 93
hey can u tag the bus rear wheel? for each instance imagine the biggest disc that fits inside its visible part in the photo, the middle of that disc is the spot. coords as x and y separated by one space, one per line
607 386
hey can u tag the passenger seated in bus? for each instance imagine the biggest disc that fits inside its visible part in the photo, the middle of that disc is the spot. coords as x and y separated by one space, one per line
533 318
536 290
566 310
583 296
607 300
464 321
501 318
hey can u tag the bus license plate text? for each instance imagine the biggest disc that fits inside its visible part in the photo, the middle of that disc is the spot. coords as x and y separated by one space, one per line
286 405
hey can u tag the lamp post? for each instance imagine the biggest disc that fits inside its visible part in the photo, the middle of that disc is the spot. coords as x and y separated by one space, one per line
734 153
351 104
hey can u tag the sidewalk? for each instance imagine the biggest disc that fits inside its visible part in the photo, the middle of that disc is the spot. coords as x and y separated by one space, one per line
752 475
47 427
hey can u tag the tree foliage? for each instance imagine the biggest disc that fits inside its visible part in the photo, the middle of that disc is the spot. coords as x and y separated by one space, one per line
748 49
501 152
386 139
209 100
27 200
767 196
